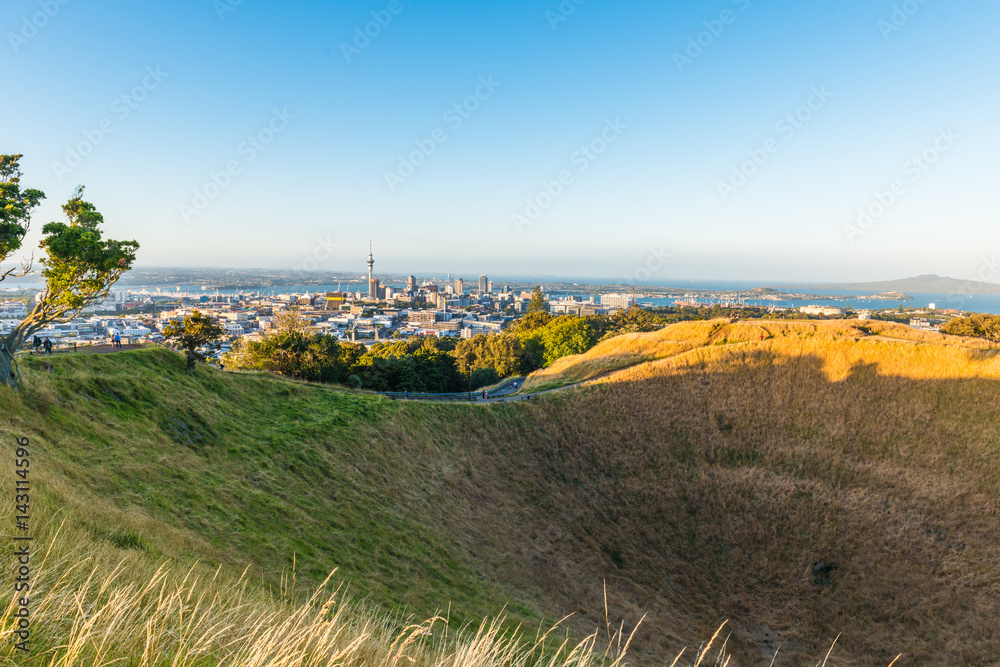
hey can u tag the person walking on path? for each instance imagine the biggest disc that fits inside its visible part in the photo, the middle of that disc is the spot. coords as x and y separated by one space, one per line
117 340
48 346
37 343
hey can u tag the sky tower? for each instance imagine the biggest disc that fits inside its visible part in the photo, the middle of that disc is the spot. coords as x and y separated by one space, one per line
371 260
374 289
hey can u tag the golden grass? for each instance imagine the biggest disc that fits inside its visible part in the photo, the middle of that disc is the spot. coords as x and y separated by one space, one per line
714 481
88 609
619 352
892 349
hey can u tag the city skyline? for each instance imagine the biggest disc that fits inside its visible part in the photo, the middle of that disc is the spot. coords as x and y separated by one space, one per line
736 141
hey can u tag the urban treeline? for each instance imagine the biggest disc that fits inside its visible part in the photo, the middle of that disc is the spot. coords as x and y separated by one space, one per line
432 364
980 325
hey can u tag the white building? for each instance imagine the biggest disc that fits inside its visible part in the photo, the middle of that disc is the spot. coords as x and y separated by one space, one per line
617 300
129 330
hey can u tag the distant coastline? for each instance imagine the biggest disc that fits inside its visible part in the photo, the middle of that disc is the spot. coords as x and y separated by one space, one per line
924 284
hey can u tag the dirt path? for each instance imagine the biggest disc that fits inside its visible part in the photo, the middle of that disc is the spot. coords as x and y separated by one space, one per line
82 349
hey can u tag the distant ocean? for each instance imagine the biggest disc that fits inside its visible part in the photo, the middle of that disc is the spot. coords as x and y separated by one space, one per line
974 303
977 304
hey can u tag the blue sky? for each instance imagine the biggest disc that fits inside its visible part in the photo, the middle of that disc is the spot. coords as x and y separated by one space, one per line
697 165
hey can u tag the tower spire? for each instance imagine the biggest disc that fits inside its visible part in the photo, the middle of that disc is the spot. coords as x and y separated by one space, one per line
371 259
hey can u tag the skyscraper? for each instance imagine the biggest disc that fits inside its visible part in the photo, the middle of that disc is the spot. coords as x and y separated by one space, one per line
459 286
484 285
411 284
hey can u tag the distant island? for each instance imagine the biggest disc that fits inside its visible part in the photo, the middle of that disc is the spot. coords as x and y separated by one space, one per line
926 284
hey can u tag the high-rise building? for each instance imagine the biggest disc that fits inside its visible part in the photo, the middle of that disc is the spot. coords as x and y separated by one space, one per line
489 287
411 284
459 286
484 285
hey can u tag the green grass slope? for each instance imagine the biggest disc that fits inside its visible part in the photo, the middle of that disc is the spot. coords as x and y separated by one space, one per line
255 469
695 488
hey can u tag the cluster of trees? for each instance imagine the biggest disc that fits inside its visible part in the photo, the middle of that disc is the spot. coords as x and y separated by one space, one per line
980 325
292 349
435 365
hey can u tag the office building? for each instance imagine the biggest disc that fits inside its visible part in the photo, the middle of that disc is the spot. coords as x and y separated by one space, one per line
617 300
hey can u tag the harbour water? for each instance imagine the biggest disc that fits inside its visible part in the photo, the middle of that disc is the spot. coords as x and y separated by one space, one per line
977 303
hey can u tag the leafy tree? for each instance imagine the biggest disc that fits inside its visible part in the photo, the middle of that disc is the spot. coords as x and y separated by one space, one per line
79 267
195 332
979 325
529 323
564 336
538 304
292 348
16 205
534 353
484 377
503 353
415 365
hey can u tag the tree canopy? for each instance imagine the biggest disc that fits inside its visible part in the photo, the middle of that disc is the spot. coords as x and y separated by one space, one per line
79 266
538 304
194 332
16 205
980 325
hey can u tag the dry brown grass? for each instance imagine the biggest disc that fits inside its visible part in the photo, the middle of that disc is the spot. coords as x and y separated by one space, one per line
621 351
709 485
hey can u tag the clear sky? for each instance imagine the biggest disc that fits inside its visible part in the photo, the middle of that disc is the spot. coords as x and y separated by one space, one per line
730 139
